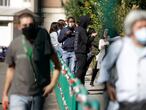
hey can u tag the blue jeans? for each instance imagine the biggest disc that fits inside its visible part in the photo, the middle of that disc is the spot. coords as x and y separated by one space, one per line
59 50
18 102
70 59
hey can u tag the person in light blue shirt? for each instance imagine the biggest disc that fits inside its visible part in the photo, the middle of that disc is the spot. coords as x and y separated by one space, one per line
128 57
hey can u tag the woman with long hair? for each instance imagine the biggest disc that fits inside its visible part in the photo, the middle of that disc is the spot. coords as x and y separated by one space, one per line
54 37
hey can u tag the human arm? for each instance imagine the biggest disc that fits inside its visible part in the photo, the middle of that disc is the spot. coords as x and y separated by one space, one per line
101 44
7 85
55 76
9 75
109 61
106 67
84 36
63 35
49 51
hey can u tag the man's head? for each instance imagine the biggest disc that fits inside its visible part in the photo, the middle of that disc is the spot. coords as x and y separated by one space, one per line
26 23
84 21
105 34
25 20
71 22
135 26
61 23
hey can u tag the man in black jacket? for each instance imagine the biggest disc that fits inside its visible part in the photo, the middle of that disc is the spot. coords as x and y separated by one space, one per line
67 37
81 42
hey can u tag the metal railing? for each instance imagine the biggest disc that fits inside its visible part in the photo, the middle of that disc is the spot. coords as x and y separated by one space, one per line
71 94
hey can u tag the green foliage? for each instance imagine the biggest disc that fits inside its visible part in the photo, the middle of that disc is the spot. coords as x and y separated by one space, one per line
73 8
104 13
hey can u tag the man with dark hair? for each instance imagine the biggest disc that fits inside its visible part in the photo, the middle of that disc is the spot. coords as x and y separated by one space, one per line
61 25
28 71
66 37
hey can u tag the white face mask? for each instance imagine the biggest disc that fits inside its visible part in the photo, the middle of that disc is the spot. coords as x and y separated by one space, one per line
141 36
70 25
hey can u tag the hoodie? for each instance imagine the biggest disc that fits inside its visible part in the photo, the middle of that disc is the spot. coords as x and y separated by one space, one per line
81 38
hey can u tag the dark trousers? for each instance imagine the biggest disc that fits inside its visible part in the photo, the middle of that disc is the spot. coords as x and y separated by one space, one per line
89 60
133 106
95 71
81 62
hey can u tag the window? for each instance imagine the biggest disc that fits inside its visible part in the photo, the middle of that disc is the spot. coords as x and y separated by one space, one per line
4 23
4 2
27 0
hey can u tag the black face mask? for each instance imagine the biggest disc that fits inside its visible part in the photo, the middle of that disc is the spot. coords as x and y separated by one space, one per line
30 32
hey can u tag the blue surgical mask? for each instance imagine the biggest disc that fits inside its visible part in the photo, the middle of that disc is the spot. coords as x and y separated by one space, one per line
141 36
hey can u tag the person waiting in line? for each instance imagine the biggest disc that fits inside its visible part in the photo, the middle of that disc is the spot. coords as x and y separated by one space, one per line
90 54
67 38
61 25
92 50
81 43
54 37
103 46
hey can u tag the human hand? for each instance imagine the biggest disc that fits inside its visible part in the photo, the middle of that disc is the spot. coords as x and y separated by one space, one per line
48 89
94 34
68 33
5 102
111 92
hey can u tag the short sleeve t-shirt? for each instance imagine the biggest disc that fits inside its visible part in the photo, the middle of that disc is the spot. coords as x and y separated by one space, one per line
24 80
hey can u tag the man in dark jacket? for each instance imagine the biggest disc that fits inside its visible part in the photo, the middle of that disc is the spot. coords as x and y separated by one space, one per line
67 37
81 42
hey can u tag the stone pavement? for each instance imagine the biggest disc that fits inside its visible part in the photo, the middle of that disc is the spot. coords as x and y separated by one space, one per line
50 104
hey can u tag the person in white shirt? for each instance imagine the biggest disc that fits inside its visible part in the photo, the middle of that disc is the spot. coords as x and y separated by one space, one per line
128 56
54 37
103 45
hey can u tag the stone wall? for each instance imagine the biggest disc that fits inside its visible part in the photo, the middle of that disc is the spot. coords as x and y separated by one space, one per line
53 11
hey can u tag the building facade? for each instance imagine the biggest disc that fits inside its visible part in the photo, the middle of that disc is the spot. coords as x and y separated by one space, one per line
50 10
8 8
53 11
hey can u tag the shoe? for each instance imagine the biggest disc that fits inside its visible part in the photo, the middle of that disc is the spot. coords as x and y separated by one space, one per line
91 84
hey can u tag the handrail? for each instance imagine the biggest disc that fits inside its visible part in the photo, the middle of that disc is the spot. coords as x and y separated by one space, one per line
70 93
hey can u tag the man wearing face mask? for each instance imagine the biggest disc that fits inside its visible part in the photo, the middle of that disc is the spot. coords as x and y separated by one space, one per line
66 37
28 73
128 56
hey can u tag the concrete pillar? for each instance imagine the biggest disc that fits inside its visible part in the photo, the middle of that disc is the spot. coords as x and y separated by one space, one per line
53 15
33 5
53 11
